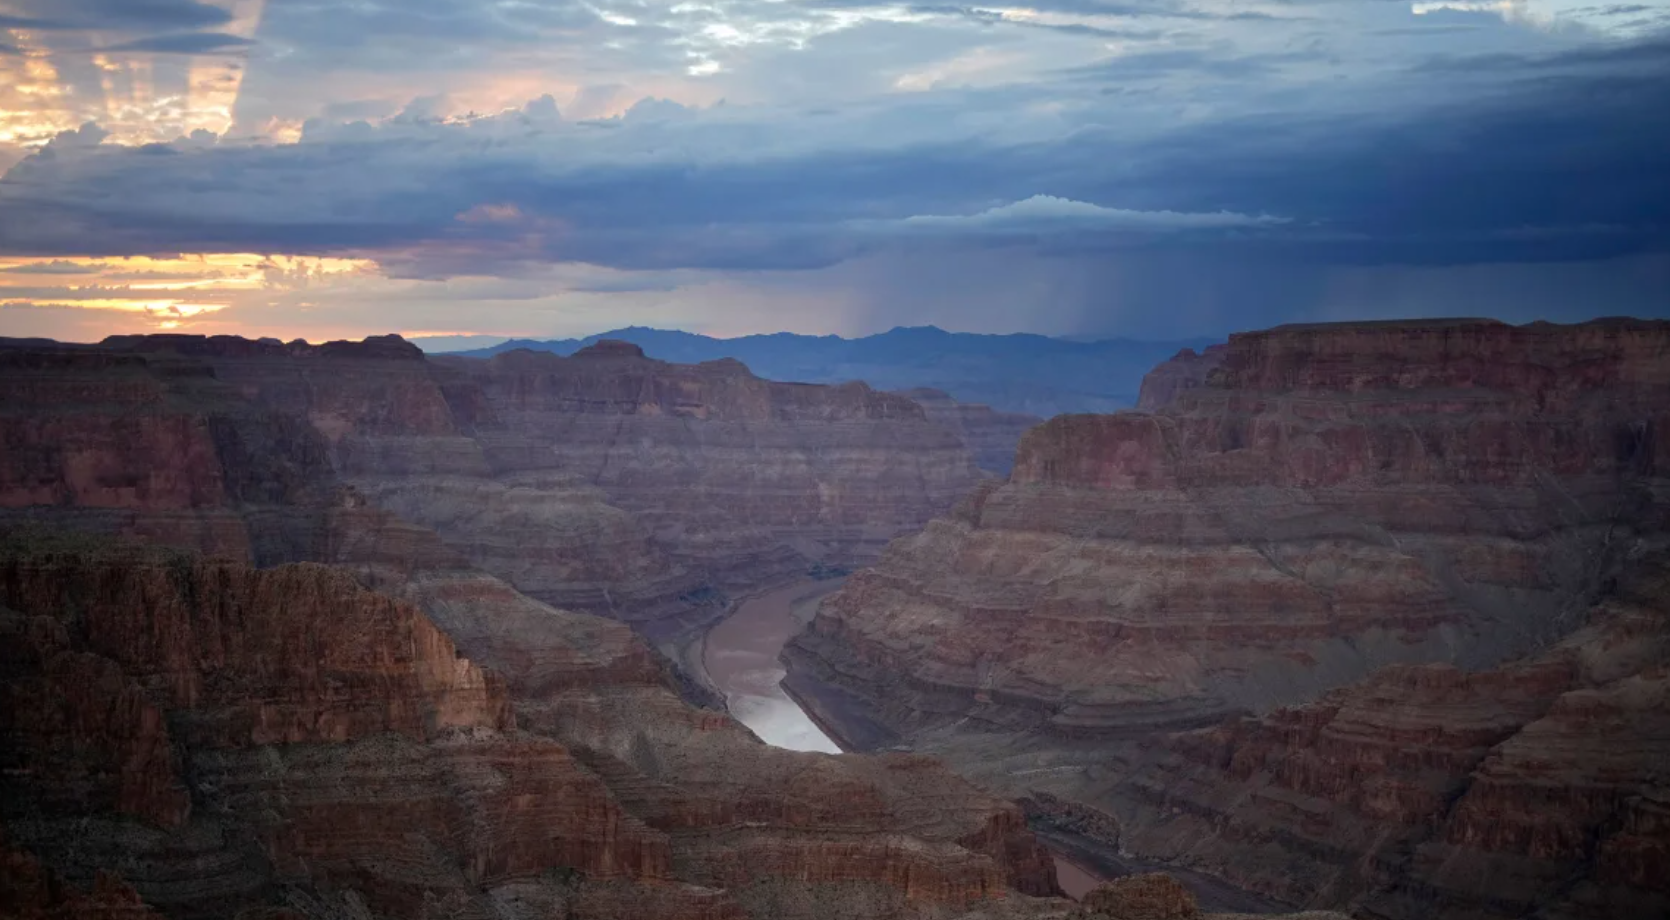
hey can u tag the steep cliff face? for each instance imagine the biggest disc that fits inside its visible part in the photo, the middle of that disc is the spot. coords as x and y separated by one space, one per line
410 439
991 436
1185 371
604 482
737 477
222 734
1533 789
242 741
1331 501
230 738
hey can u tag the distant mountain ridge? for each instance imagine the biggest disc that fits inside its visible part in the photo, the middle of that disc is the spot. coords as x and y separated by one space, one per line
1027 373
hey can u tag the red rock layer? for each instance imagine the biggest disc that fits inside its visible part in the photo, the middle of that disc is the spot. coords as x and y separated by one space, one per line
1186 370
991 436
328 737
604 482
737 476
29 891
1529 789
233 737
1329 502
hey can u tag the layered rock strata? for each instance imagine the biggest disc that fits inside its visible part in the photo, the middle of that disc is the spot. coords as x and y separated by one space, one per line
740 478
1533 789
991 436
1330 501
248 741
228 738
605 482
1185 371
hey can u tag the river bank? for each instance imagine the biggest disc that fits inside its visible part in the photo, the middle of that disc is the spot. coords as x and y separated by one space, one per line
737 657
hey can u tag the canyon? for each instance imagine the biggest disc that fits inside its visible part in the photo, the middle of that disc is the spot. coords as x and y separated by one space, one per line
239 682
604 482
1367 616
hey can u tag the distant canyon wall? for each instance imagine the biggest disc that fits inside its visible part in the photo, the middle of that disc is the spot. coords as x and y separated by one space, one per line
397 732
1346 619
606 481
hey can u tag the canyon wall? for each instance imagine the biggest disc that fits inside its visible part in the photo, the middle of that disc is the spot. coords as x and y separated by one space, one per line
991 436
226 738
604 482
398 733
1186 370
739 479
1332 512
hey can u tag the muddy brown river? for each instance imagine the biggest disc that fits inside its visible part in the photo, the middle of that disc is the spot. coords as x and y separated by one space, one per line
740 657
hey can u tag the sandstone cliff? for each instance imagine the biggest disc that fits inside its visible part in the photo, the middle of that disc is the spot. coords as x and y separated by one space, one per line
1185 371
249 741
1330 501
227 738
991 436
737 477
605 482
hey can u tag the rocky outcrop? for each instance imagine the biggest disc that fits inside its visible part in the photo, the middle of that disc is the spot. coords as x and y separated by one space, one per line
1141 897
30 891
1186 370
1332 501
991 436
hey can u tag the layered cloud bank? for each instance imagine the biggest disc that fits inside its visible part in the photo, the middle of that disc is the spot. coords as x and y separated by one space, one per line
1069 166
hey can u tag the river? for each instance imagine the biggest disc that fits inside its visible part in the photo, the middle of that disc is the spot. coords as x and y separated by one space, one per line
740 657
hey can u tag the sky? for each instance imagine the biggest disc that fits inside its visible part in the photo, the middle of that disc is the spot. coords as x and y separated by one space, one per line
549 168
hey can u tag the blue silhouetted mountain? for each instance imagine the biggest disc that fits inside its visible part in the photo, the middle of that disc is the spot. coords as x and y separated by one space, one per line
1016 373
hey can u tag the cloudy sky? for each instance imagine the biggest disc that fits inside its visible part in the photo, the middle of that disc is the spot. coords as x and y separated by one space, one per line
1149 168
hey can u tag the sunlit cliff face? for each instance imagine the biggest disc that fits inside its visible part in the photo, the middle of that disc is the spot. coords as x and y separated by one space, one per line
1156 168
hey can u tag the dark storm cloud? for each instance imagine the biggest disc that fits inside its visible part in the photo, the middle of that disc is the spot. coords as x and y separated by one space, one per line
1562 160
1649 57
110 14
1571 166
185 43
463 27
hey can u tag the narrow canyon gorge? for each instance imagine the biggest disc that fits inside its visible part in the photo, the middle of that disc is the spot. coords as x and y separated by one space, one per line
1372 618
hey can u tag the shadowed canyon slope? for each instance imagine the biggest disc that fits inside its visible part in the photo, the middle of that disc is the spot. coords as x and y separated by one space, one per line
398 733
606 482
991 436
739 479
1348 620
226 737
